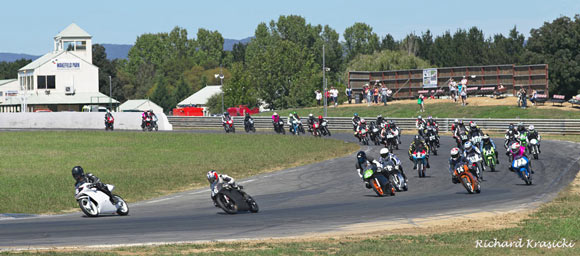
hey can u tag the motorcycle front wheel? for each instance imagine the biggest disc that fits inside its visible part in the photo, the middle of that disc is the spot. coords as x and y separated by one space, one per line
229 206
88 207
253 205
122 207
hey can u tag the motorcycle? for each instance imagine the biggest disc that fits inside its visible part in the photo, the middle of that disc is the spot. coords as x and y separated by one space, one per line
476 163
395 176
476 140
391 139
489 157
522 166
109 123
315 129
232 200
229 126
324 128
374 134
363 136
419 160
295 128
279 127
524 140
463 173
431 140
94 202
150 124
534 149
249 125
379 183
461 139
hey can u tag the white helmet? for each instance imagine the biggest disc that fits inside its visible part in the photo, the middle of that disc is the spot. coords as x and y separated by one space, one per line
275 113
531 128
456 121
310 115
454 153
384 152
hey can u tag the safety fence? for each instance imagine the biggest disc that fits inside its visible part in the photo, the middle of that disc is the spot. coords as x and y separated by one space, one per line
561 126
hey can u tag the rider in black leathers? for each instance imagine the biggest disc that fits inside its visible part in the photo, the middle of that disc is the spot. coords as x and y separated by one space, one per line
80 177
419 144
362 163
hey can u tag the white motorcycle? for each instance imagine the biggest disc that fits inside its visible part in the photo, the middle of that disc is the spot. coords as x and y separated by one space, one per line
94 202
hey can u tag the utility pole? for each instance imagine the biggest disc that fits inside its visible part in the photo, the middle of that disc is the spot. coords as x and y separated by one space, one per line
324 81
110 94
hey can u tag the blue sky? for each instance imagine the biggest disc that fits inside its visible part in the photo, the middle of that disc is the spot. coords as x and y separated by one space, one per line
28 27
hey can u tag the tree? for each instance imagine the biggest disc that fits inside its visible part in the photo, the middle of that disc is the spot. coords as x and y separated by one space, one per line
387 60
162 96
389 43
239 52
106 68
9 70
360 39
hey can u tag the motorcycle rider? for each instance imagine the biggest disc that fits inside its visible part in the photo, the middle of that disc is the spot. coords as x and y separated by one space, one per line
393 126
517 151
386 156
362 125
456 158
468 149
311 120
431 123
362 163
420 122
80 177
487 142
144 116
107 116
380 120
247 119
533 134
459 128
473 129
521 129
355 121
276 121
226 117
216 179
454 125
418 144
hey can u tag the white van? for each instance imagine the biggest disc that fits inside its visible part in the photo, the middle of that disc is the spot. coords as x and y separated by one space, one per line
93 108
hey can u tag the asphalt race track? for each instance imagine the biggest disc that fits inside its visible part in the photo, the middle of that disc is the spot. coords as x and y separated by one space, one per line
314 198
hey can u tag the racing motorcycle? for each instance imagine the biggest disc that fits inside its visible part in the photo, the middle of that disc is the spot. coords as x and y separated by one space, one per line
249 125
232 199
476 163
315 129
522 166
419 160
431 140
391 140
534 149
362 134
395 176
94 202
374 134
229 126
109 123
464 175
150 124
476 140
523 139
324 128
279 127
379 183
462 138
489 157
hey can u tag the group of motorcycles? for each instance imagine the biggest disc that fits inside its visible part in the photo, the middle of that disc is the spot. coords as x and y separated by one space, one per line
378 134
148 123
317 129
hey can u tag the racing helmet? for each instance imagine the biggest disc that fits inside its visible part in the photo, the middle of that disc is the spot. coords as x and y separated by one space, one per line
468 146
456 121
275 113
361 156
461 121
485 137
454 153
419 117
355 114
430 118
511 127
384 152
310 115
226 114
362 121
379 116
515 148
319 117
78 173
290 115
294 113
212 176
472 124
531 128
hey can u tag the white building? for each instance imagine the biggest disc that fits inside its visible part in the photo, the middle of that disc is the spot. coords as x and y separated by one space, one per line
62 80
140 105
199 99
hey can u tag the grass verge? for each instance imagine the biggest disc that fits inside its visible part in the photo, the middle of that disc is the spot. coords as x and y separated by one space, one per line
35 176
439 110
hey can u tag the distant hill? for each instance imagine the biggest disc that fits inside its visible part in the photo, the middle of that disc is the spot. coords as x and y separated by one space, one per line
10 57
114 51
117 51
229 43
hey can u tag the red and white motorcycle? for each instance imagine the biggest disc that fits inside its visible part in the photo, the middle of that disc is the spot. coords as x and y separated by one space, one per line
94 202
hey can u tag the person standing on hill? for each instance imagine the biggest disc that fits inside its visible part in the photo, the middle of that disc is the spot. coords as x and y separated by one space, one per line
384 96
421 101
348 93
453 89
318 96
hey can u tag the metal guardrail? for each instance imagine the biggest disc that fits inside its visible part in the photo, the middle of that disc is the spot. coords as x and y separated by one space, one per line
561 126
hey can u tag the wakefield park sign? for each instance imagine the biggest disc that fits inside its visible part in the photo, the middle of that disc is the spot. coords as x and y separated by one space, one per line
68 65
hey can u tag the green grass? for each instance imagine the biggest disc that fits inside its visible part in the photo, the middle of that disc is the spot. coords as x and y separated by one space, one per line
35 173
440 110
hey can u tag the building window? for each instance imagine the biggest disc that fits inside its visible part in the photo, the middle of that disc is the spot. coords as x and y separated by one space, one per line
41 82
69 45
50 82
80 45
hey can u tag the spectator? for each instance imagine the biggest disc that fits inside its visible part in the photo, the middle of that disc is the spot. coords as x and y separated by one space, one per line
389 93
464 82
334 95
453 89
524 97
376 95
534 97
384 94
463 92
318 96
348 93
421 101
369 93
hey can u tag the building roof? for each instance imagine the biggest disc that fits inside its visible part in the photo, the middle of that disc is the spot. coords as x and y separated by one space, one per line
73 30
142 104
6 81
50 57
61 98
201 96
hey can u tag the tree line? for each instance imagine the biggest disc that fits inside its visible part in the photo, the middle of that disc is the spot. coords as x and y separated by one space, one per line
282 65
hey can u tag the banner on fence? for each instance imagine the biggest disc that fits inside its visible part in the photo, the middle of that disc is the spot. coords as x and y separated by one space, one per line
429 78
